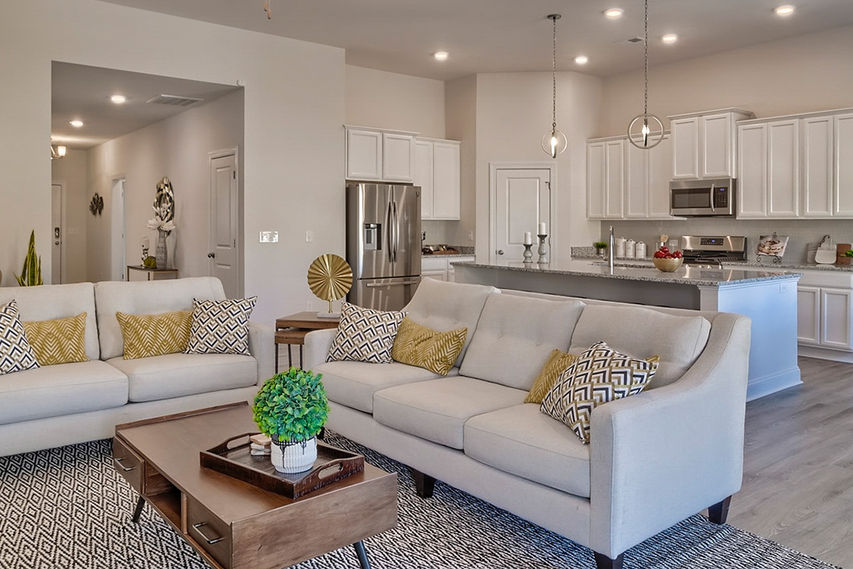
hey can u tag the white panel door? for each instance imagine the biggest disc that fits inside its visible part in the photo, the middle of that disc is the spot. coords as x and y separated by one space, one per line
118 246
424 176
523 200
685 149
398 157
364 154
446 180
752 176
614 179
835 318
595 178
808 315
783 172
717 146
817 167
224 224
636 181
844 165
660 173
56 224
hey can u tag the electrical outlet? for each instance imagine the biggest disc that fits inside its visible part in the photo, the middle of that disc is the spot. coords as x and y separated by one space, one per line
309 236
268 237
470 236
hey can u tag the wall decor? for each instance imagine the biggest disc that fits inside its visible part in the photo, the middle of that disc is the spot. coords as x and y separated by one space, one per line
96 206
163 220
329 278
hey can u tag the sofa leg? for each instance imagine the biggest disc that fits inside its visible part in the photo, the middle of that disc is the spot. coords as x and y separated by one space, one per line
719 512
424 483
604 562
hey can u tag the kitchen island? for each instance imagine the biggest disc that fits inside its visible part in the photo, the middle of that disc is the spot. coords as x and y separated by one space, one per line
768 297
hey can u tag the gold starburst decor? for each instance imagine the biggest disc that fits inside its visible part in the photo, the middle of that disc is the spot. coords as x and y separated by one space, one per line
329 278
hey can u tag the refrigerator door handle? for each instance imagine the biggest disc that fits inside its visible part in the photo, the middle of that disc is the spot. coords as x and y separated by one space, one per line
381 285
396 230
389 233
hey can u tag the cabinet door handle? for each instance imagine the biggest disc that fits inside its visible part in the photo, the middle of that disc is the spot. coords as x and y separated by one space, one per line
210 540
118 462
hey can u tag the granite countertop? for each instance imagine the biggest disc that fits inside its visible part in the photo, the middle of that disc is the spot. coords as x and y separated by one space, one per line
685 275
445 255
786 266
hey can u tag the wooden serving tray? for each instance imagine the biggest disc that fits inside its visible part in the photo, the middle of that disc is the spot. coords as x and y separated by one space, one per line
233 457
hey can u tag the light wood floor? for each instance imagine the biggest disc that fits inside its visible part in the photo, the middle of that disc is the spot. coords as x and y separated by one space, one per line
798 465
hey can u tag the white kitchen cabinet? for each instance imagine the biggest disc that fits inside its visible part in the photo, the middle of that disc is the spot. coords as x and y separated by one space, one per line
751 195
647 174
377 155
685 150
398 157
605 180
595 180
705 144
824 310
437 173
835 318
440 267
808 315
768 169
717 145
660 173
843 155
816 166
451 272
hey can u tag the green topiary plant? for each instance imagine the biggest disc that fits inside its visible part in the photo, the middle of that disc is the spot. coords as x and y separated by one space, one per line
292 406
600 245
31 272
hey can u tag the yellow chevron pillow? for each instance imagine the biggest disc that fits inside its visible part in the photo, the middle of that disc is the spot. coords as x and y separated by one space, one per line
424 347
555 365
59 341
147 335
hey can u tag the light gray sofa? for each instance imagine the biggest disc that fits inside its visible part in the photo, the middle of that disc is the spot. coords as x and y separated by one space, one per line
69 403
654 459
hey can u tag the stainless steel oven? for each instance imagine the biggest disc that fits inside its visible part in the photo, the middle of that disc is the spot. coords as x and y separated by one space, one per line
702 197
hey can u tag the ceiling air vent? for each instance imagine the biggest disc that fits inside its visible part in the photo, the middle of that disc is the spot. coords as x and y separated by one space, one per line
635 40
174 100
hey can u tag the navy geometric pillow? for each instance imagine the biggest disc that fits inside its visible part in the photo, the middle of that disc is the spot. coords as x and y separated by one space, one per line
16 354
221 326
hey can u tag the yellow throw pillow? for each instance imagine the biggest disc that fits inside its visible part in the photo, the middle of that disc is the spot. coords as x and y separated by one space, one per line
147 335
424 347
59 341
557 363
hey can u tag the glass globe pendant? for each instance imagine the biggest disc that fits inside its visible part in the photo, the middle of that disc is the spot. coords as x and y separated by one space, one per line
554 142
645 131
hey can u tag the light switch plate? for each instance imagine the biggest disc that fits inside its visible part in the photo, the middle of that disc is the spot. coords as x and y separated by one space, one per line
268 237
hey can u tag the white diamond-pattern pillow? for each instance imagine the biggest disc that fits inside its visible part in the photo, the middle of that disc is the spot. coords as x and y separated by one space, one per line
365 335
16 354
599 375
221 326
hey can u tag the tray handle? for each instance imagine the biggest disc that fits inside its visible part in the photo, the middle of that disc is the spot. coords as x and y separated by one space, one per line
327 470
226 446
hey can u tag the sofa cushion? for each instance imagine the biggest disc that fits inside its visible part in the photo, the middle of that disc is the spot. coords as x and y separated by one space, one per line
445 306
427 348
176 375
62 389
147 335
515 336
523 441
354 383
16 353
221 326
436 410
555 365
644 332
147 297
58 341
47 302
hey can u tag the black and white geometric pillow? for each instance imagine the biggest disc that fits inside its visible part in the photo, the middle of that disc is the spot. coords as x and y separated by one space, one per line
597 376
16 354
365 335
221 326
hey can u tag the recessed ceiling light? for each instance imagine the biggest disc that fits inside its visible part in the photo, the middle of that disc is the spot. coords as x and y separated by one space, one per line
784 10
76 123
118 99
614 13
669 38
581 60
440 55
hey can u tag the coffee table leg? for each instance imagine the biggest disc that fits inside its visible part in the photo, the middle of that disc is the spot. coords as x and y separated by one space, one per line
137 511
362 554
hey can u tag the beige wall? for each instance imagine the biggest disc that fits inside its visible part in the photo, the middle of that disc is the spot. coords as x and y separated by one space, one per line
513 112
294 108
72 172
394 101
177 147
806 73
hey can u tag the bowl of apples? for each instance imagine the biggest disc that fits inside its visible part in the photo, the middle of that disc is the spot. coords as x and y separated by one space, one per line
666 260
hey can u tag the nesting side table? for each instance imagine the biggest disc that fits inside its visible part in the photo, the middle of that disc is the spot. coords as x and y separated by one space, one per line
291 330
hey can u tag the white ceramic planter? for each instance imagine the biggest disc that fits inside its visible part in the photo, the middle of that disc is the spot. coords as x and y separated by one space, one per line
295 457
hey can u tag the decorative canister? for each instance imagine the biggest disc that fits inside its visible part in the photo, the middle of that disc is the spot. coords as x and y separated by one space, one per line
630 248
641 250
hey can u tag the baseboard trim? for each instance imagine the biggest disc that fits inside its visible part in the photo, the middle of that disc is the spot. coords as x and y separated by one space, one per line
768 384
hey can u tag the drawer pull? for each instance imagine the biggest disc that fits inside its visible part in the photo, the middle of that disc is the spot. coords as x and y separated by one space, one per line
119 464
210 541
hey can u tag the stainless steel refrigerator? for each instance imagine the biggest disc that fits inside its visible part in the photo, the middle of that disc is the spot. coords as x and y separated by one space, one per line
383 243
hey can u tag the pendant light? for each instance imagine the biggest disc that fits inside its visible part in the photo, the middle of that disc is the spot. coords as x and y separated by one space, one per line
554 142
650 131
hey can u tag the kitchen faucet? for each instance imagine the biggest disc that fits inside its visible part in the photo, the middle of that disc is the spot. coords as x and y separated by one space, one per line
610 246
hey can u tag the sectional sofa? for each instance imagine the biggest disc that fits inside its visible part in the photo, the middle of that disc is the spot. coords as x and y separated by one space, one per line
68 403
654 459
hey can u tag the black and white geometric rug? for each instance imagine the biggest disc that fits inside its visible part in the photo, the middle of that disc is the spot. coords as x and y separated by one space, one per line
68 508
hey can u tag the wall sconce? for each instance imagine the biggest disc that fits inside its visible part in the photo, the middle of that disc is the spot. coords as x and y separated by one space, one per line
58 151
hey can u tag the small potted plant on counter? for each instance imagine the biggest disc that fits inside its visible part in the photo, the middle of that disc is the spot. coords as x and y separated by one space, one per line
846 258
291 408
600 247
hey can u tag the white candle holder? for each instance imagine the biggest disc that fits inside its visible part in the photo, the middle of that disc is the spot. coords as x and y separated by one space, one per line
543 251
528 253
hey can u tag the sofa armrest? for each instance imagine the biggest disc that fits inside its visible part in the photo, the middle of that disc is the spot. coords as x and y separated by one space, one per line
668 453
262 347
317 344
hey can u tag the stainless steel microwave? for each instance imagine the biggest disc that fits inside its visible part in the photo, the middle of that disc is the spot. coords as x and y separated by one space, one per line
702 197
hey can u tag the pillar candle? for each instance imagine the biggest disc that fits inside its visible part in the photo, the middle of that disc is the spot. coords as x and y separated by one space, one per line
543 229
528 238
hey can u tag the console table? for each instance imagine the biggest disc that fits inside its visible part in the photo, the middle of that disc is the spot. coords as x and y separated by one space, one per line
149 274
291 330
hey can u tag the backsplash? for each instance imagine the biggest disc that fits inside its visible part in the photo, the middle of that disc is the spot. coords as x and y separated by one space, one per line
803 233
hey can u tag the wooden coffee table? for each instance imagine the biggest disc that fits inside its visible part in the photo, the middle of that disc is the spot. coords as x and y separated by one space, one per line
231 523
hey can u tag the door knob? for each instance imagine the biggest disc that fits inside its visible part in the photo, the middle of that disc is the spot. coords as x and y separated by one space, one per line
500 251
211 255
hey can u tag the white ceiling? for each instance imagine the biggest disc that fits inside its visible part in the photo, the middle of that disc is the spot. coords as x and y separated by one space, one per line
512 35
83 92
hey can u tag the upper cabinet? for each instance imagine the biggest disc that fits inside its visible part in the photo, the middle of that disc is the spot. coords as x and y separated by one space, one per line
437 173
704 144
378 155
